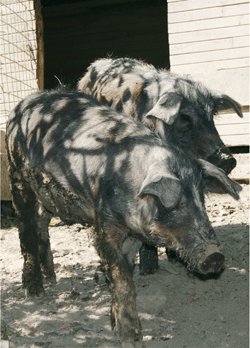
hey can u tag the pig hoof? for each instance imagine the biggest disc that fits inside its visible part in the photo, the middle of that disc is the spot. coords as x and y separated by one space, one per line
34 292
49 280
148 270
213 263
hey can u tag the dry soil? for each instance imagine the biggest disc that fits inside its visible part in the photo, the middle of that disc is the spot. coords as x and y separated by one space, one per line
177 309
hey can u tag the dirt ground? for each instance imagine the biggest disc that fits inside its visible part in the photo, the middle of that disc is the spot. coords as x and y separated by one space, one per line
177 309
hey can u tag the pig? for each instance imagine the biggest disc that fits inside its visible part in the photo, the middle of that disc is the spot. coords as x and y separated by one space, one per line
172 105
175 107
72 157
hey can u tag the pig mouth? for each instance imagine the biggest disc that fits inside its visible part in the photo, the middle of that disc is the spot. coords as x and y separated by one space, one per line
223 159
203 259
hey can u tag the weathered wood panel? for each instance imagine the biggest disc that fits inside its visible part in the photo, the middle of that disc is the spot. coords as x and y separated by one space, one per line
212 56
231 118
195 31
211 45
180 6
234 131
232 140
220 22
196 68
209 34
215 12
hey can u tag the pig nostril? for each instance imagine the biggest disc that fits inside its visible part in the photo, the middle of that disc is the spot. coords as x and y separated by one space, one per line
212 264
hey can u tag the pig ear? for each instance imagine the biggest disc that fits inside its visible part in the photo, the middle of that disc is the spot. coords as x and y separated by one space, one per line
224 102
217 181
167 108
162 185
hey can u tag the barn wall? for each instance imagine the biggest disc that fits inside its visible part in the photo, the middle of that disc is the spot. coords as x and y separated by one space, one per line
18 74
210 41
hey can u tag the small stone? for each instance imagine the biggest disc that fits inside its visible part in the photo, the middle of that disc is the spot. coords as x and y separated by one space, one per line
166 337
74 294
148 338
85 298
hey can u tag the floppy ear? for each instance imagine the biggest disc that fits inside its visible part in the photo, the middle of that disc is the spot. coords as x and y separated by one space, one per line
161 184
217 181
167 108
224 102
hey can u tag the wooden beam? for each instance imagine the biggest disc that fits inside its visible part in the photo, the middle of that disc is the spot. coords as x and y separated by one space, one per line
82 7
40 44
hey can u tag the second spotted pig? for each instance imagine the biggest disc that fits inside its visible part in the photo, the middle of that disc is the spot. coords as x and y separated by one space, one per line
176 107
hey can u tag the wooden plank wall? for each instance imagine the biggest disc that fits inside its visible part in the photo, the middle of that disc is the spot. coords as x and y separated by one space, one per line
210 41
77 34
209 35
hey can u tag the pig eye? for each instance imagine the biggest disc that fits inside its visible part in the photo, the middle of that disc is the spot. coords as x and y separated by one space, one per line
185 122
186 118
162 212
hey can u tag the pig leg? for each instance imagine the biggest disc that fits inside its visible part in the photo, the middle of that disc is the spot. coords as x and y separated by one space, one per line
43 218
24 201
119 272
148 259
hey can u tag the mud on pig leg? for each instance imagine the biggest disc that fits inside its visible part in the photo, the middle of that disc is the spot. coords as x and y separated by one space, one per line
24 201
43 218
117 259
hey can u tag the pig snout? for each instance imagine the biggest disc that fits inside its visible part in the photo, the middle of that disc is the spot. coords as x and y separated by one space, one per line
223 159
207 258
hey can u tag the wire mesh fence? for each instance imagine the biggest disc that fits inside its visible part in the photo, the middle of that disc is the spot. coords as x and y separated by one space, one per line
18 48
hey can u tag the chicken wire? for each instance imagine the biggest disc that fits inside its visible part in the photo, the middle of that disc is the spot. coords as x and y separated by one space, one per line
18 54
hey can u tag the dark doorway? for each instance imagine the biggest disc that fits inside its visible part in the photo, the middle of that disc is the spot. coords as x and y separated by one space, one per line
78 32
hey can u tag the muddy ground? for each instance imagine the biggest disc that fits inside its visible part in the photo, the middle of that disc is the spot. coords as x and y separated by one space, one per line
177 309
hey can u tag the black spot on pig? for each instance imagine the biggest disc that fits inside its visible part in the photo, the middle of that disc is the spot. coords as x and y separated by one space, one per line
126 95
121 80
93 78
119 106
103 100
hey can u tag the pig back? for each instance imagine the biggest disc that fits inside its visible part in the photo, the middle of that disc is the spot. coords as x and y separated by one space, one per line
74 150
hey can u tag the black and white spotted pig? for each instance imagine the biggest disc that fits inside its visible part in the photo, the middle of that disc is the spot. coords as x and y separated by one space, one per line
175 107
172 105
75 158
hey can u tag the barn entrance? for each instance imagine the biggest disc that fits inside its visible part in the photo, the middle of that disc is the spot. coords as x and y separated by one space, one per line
78 32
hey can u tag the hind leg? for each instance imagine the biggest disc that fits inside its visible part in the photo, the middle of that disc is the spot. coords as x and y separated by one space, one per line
148 259
43 218
24 201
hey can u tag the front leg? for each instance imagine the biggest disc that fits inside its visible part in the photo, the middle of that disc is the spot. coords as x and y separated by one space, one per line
124 316
119 271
